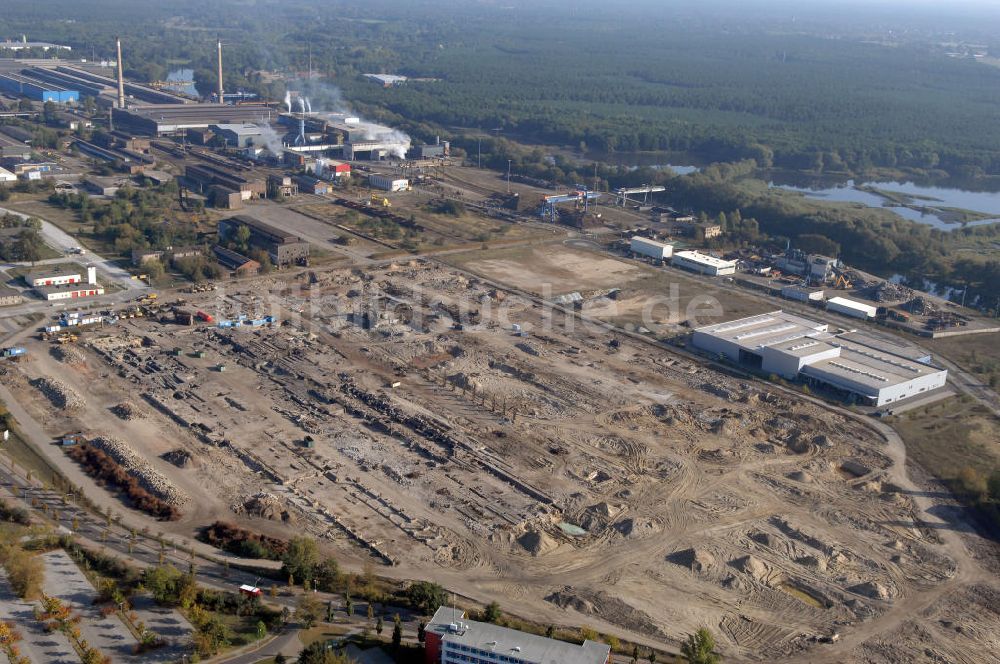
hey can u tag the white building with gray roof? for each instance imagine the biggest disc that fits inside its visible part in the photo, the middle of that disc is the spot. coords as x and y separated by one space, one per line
849 362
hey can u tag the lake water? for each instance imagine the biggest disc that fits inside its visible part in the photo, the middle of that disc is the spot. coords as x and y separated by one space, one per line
940 197
185 84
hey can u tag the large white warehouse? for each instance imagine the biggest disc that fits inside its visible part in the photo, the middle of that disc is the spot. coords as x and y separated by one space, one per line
847 307
703 263
643 246
797 348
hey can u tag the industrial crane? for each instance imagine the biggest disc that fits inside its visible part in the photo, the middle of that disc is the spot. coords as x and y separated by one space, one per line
622 194
581 195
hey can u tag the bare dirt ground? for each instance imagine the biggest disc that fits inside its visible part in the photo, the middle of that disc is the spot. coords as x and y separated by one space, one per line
577 475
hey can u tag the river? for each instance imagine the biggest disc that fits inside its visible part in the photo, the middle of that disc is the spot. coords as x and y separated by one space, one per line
923 204
185 82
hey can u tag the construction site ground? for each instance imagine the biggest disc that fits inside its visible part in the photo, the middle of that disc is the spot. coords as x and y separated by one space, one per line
573 473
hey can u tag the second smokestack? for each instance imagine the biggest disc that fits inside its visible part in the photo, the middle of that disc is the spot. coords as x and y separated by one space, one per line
121 74
221 99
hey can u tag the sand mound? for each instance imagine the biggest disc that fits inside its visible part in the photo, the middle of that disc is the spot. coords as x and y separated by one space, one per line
812 562
598 516
696 560
637 528
755 568
537 543
872 589
799 476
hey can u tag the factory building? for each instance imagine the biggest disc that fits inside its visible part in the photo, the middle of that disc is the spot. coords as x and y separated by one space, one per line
689 227
25 45
237 264
855 365
387 182
310 185
281 185
282 247
240 135
853 308
64 284
802 293
7 176
387 80
703 263
330 169
32 88
204 176
451 639
165 119
51 293
642 246
53 277
436 150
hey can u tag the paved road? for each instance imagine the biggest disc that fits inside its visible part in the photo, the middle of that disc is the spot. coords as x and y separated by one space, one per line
287 643
63 242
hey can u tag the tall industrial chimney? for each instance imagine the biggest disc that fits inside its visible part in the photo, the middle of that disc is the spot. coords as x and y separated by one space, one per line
221 99
121 74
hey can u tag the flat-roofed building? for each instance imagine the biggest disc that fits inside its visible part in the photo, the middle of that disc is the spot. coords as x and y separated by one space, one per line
238 264
703 263
59 277
69 291
853 308
163 119
451 639
865 369
644 246
281 246
387 182
238 135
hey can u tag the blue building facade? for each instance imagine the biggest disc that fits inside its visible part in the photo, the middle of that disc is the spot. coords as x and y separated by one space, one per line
37 90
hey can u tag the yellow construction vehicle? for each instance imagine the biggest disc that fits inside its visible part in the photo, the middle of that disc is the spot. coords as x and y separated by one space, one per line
842 282
66 338
378 199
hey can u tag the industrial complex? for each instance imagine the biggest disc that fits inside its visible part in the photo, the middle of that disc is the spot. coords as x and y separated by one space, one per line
605 414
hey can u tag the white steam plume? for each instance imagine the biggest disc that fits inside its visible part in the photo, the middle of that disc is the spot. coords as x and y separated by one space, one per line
330 103
271 140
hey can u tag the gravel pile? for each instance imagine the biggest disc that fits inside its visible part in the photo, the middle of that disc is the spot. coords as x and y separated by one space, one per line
127 410
61 395
67 354
135 465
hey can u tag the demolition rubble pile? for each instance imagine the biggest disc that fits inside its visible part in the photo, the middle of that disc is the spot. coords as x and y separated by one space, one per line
148 477
127 411
62 396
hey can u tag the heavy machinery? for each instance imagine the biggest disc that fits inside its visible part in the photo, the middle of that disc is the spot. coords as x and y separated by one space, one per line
67 338
623 195
581 197
842 282
379 200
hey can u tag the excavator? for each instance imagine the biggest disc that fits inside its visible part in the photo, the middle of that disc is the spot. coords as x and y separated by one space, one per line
379 201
